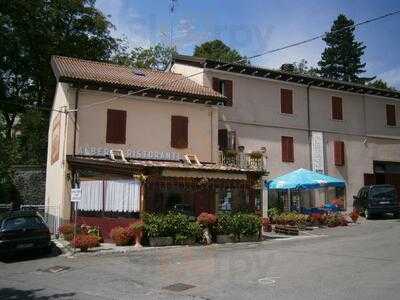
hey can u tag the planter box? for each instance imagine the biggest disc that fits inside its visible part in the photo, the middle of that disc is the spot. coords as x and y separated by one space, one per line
225 238
287 229
249 238
161 241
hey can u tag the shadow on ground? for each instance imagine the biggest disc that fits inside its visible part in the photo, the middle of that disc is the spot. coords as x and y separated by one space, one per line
11 293
30 255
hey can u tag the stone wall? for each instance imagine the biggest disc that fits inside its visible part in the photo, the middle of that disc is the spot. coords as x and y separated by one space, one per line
30 182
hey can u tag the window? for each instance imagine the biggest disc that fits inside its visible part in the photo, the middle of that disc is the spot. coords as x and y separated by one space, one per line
116 126
286 101
179 132
390 115
339 153
225 87
337 110
287 149
226 139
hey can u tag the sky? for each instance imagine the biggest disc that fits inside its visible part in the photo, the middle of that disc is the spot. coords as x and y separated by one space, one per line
254 26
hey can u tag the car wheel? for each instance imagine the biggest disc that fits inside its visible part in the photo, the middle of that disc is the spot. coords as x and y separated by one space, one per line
396 215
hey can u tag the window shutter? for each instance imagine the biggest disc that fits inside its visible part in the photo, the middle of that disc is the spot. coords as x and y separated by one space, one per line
223 139
390 115
287 149
228 89
339 153
216 85
286 101
116 126
337 109
179 132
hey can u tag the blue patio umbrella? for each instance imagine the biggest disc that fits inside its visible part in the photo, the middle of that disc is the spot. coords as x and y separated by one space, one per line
303 179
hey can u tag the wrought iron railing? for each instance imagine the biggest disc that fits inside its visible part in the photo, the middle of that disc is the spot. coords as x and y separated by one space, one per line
250 161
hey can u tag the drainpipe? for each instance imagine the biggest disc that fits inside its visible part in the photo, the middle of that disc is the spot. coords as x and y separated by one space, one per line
309 121
76 116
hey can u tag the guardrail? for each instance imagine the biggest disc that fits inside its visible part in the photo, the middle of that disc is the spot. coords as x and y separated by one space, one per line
242 160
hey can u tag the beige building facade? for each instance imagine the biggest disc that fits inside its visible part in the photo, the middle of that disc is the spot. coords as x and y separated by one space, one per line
369 139
131 146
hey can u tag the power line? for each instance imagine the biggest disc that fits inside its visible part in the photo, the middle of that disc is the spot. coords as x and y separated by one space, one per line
245 59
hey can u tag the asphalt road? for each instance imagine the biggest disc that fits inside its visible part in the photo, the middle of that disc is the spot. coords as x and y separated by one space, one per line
359 262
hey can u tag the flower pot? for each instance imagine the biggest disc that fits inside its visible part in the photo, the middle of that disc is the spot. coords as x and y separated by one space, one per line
249 238
84 249
161 241
225 238
138 238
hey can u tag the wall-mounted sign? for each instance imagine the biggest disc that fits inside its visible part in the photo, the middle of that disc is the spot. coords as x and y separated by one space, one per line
76 195
55 139
317 152
132 153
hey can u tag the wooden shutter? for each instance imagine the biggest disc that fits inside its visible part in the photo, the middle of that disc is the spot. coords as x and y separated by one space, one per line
116 126
286 101
223 139
339 153
287 149
390 115
337 109
228 90
179 132
216 85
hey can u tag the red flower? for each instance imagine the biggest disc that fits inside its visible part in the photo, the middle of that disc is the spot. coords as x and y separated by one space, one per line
206 219
85 241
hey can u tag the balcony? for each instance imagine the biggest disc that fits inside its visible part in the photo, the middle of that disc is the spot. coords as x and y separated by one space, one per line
251 161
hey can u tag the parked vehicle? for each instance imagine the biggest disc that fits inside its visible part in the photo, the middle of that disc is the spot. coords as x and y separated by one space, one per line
376 200
23 231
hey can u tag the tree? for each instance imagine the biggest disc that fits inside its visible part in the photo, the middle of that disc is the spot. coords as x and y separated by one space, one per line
300 67
32 31
341 59
380 84
156 57
217 50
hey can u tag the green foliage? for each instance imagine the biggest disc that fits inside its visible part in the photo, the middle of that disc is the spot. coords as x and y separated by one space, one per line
217 50
274 212
301 67
172 224
155 57
341 59
246 224
225 224
30 32
380 84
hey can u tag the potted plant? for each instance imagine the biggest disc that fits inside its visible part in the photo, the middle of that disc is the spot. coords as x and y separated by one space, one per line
354 215
266 224
256 155
158 230
136 232
247 227
224 228
120 236
207 220
85 241
67 231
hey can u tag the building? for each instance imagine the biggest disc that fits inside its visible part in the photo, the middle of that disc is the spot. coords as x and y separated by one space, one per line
140 141
338 128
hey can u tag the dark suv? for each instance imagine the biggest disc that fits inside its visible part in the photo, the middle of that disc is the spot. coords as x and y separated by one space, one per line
23 231
376 200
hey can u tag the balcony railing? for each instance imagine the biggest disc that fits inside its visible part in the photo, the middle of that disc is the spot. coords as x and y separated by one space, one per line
249 161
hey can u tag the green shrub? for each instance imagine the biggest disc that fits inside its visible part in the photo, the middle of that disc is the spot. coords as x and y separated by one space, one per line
274 212
225 224
156 225
246 224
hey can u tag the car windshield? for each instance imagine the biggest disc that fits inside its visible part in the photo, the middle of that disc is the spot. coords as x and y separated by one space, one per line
23 223
383 192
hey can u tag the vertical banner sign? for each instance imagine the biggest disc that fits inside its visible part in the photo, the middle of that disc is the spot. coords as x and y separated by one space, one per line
317 152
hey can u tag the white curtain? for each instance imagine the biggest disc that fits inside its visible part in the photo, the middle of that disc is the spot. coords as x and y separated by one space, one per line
122 195
92 195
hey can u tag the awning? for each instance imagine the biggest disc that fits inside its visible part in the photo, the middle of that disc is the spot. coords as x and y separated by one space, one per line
303 179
